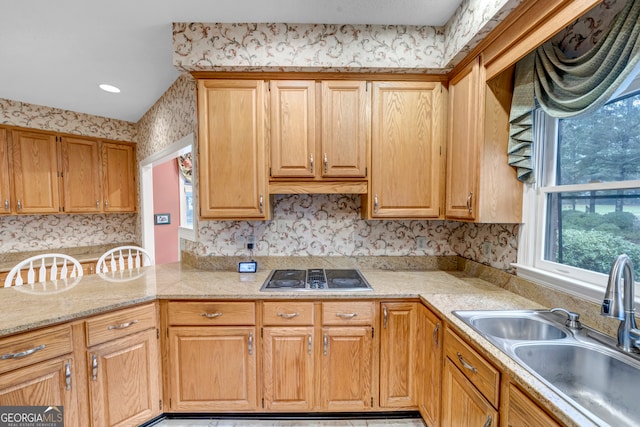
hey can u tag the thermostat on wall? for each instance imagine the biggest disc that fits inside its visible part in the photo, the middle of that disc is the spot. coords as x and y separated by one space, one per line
247 267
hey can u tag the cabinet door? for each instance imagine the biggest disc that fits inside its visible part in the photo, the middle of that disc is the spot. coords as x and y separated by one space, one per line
466 103
293 128
81 175
212 368
428 365
50 383
5 189
397 352
345 121
119 177
346 368
124 380
231 149
288 368
462 404
518 410
35 171
406 143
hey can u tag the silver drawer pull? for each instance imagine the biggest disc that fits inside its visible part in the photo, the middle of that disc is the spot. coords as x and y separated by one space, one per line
346 315
489 421
288 315
212 315
466 364
22 354
122 325
67 376
435 334
250 344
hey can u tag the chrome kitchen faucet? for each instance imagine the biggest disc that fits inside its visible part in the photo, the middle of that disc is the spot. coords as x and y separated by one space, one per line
620 305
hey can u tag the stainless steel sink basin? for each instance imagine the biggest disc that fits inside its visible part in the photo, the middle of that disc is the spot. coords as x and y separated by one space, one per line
517 325
581 364
604 383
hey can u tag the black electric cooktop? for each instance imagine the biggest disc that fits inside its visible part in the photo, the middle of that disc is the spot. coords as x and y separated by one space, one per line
314 279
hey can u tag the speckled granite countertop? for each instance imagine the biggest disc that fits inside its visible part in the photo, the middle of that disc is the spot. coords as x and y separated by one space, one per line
443 291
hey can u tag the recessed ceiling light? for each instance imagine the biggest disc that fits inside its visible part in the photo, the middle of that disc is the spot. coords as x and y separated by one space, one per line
109 88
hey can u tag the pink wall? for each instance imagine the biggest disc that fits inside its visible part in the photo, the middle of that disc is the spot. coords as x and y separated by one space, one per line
166 199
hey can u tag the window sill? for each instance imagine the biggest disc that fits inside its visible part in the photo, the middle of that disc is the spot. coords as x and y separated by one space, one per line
580 289
187 234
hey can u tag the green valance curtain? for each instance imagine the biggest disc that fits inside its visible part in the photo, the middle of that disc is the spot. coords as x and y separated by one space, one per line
565 87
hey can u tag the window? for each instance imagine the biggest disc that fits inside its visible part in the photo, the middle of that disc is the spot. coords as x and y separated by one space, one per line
585 209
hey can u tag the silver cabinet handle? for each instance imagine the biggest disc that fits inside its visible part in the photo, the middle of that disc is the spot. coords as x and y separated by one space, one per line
22 354
346 315
19 204
97 204
106 204
288 315
67 376
309 347
122 325
466 364
250 344
325 161
435 334
6 205
91 269
311 162
384 317
94 367
376 205
211 315
469 198
261 204
325 344
489 420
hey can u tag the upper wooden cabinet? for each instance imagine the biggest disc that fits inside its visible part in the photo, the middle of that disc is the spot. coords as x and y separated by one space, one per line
408 122
5 185
81 175
319 133
43 173
118 177
232 149
35 172
480 184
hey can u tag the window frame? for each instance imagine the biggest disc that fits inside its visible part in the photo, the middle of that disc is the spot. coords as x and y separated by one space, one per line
531 264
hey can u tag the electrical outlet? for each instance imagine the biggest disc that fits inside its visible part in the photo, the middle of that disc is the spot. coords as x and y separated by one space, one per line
421 242
251 242
486 249
240 242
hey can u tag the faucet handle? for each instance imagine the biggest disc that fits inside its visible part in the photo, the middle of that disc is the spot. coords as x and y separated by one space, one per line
573 318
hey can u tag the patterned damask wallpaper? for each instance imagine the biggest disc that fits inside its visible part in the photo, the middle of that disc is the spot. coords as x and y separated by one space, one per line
332 47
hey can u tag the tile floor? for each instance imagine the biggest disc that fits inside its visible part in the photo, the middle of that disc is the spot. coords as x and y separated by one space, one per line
238 422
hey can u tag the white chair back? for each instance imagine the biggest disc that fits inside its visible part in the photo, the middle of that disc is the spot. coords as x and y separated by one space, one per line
40 268
123 258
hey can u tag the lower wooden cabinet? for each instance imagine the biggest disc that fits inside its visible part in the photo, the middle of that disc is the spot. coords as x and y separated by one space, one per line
288 368
462 403
49 383
428 369
123 387
37 368
213 369
123 366
211 355
518 410
397 353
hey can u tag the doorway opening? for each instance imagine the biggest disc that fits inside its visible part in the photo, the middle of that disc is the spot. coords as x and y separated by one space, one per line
187 221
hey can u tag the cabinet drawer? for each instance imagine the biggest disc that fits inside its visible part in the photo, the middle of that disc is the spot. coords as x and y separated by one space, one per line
348 313
484 376
110 326
212 313
31 347
287 313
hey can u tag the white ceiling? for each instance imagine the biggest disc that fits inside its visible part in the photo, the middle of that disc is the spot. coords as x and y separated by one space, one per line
55 53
